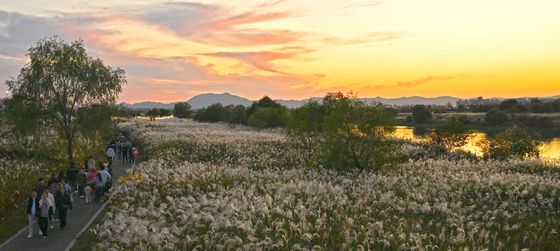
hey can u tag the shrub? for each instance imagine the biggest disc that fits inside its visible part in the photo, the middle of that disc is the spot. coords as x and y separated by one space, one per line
268 117
421 114
238 115
182 110
453 134
535 121
514 142
213 113
495 117
264 102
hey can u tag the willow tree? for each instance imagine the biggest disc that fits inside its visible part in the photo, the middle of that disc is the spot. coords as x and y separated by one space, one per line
61 78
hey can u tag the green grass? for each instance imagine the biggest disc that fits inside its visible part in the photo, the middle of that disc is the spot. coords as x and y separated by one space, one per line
17 221
87 240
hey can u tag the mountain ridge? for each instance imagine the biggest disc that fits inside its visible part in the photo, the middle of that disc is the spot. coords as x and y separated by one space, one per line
206 99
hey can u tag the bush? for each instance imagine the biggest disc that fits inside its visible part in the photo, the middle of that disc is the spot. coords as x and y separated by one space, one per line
514 142
269 117
535 121
155 112
495 117
453 134
182 110
344 133
421 114
238 115
264 102
508 105
213 113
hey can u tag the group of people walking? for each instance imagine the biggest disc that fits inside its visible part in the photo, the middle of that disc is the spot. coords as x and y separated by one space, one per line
42 205
51 200
124 150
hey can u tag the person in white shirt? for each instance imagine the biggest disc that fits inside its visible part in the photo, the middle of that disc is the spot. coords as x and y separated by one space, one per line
32 210
105 177
51 198
44 213
110 154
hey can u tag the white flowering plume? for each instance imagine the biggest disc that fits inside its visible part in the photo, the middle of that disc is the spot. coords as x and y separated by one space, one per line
221 204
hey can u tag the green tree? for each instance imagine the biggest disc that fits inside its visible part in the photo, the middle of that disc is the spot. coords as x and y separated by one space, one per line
513 142
152 114
461 108
162 112
421 114
213 113
264 102
25 117
95 124
94 121
495 117
508 105
59 79
451 135
555 105
344 132
306 127
238 115
182 110
269 117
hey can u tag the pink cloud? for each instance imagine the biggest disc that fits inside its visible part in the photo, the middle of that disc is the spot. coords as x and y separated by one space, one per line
249 37
263 59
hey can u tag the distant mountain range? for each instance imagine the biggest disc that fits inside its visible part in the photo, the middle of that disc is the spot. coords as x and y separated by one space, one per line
207 99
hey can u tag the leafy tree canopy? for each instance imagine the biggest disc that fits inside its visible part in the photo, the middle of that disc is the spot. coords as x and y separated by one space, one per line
59 79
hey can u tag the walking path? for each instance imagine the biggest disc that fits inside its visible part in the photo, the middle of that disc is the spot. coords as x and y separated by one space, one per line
57 239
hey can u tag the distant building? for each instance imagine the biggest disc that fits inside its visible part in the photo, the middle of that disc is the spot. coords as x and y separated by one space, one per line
477 101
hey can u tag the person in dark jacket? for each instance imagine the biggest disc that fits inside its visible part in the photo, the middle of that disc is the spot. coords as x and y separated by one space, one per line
40 186
62 204
32 209
82 182
61 176
99 187
52 180
114 146
72 174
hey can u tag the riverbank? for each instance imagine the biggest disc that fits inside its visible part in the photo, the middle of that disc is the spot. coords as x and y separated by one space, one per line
475 122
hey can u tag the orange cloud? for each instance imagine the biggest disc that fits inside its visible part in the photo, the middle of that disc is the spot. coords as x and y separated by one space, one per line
424 80
249 37
247 18
262 59
369 38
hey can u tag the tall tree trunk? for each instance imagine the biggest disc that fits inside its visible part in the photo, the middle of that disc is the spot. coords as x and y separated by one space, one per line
70 146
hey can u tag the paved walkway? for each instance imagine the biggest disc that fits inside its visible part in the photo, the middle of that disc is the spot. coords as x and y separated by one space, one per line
58 239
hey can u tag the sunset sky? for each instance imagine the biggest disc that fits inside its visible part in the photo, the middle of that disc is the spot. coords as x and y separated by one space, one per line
297 49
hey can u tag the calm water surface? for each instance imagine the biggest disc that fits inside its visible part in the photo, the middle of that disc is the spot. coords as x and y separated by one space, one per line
550 149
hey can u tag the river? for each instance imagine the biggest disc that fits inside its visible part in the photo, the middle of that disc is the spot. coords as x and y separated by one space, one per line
549 149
